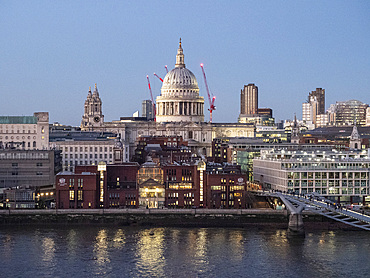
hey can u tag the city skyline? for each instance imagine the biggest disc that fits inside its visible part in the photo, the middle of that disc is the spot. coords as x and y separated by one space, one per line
55 51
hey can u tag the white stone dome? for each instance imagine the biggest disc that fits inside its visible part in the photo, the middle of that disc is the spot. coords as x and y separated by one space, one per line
179 100
180 78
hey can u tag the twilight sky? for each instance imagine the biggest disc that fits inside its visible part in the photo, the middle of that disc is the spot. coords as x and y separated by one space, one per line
52 51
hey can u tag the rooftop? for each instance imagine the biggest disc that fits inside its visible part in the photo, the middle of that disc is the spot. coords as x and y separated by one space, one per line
18 120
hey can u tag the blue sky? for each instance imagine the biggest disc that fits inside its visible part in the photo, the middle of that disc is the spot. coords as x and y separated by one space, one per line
52 51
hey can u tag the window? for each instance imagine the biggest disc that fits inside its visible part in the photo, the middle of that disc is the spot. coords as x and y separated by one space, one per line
80 183
71 195
79 195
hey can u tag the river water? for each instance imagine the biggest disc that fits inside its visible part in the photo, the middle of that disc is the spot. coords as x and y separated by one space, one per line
90 251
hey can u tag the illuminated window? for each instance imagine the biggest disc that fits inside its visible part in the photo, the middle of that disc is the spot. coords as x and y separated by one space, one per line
71 195
79 195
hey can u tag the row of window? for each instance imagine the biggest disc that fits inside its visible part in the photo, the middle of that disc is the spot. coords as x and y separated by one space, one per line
18 131
333 191
329 175
16 173
15 164
71 163
326 183
323 165
116 196
81 149
66 156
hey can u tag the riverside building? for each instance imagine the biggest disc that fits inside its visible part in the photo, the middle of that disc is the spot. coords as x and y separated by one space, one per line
340 175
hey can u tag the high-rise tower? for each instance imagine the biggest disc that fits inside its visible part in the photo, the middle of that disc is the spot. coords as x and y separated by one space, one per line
314 109
249 100
93 114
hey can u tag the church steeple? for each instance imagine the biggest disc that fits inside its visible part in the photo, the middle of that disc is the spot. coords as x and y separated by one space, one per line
93 115
355 139
180 57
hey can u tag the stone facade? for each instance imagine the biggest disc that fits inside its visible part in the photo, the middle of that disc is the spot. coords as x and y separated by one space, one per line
25 132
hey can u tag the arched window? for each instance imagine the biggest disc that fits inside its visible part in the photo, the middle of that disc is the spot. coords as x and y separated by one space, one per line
34 144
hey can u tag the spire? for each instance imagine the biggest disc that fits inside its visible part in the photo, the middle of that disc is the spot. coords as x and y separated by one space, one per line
89 93
295 120
96 93
180 57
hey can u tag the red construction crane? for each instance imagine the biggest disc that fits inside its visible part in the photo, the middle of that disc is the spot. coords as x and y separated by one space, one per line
212 107
151 95
156 75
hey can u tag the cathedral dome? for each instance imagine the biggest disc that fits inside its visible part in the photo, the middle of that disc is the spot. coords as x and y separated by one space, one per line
180 82
180 78
179 100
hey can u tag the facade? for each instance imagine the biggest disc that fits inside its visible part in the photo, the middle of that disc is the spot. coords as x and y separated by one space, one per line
150 185
25 132
148 110
128 185
182 185
226 186
339 175
28 168
86 148
351 112
249 100
19 198
242 151
122 185
77 190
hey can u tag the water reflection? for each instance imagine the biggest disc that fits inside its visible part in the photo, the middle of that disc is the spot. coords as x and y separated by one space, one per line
72 242
150 252
48 247
119 239
181 252
6 246
237 244
101 252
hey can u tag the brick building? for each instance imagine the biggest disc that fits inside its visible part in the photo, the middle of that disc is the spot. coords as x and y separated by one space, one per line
226 186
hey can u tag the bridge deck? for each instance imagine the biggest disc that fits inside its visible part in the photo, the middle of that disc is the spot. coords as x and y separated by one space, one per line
325 207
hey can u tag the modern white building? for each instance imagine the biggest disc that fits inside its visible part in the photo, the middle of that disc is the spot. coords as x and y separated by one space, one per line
343 175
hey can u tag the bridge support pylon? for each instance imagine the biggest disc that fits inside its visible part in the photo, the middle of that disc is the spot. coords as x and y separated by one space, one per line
295 224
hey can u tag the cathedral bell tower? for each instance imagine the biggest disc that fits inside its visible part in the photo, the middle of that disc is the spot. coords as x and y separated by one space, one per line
93 115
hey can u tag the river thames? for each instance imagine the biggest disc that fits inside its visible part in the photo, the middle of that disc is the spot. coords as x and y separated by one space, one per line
90 251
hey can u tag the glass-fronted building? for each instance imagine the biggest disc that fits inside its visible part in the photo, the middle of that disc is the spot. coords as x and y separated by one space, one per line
343 175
